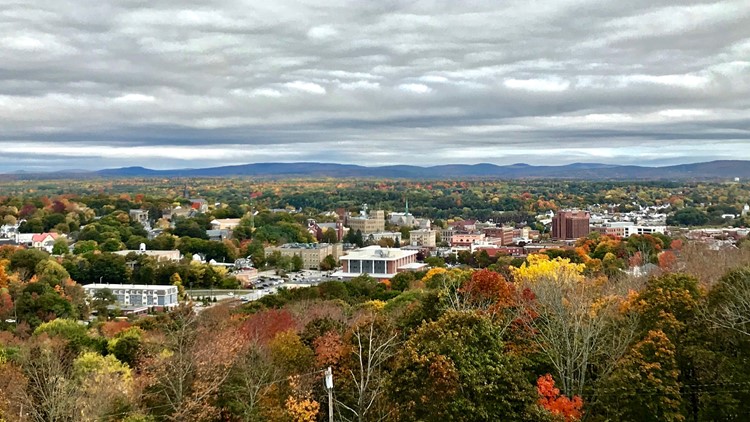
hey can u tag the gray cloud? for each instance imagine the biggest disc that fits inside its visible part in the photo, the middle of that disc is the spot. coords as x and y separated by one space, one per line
87 84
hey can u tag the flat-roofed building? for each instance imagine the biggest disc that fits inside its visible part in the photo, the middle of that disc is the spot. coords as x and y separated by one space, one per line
423 237
130 295
377 237
381 263
224 223
627 229
466 239
160 256
505 234
311 253
570 224
366 224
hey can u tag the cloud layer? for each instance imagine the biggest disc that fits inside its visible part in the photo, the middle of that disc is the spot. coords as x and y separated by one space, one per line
91 84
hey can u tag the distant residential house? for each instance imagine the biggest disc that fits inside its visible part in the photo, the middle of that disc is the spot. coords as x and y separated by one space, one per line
141 216
218 235
178 212
198 204
42 241
9 230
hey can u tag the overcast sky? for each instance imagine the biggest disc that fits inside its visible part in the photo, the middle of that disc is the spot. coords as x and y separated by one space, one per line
89 84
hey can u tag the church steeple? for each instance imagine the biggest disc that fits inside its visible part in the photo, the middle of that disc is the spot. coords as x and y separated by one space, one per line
406 212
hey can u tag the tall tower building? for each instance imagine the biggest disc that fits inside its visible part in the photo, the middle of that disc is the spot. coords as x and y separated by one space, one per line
570 224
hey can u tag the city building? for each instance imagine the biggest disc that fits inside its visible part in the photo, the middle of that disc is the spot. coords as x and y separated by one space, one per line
224 223
133 295
160 256
403 219
505 234
463 225
626 229
423 237
570 224
247 276
377 237
380 263
466 239
367 223
311 253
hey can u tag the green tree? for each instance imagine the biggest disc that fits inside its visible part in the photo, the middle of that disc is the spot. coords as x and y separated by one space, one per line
127 345
39 302
456 368
688 216
328 263
84 246
645 385
66 329
52 273
330 236
101 300
60 247
176 280
402 281
24 262
297 263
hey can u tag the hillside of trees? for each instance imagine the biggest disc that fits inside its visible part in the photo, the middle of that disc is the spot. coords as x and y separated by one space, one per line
545 339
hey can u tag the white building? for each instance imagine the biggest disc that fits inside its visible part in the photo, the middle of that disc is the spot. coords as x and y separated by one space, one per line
423 237
377 237
138 294
160 256
381 263
627 229
224 223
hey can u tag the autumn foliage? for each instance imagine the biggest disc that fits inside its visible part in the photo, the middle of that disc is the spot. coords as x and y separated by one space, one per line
489 286
551 399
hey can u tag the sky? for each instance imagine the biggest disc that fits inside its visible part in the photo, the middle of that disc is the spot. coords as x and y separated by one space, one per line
90 84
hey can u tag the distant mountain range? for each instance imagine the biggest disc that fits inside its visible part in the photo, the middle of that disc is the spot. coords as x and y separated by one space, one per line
727 169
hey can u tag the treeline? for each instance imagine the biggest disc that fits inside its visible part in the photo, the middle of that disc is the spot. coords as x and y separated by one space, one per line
502 201
548 339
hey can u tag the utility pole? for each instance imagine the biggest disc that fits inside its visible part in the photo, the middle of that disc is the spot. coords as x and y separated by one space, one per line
329 387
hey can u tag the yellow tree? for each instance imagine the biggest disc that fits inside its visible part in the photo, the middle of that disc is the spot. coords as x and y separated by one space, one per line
105 385
575 322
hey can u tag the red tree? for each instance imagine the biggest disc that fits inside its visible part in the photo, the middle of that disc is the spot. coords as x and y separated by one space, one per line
263 326
551 399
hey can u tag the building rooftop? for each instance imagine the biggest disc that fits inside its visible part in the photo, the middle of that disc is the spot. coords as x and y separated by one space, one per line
128 286
380 253
304 245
